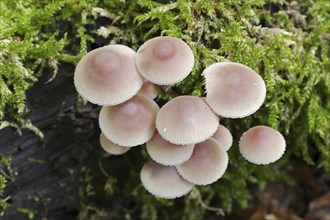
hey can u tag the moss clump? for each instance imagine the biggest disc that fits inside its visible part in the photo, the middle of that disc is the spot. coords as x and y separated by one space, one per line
32 39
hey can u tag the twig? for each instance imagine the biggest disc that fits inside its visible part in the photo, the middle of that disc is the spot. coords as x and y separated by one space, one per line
195 193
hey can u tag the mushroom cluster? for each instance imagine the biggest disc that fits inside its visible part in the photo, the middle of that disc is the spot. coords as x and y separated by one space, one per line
186 144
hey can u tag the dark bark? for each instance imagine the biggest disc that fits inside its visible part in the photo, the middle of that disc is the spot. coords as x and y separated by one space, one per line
41 167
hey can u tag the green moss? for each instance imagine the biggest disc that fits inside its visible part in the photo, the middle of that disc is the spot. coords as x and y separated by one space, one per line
30 41
3 204
5 176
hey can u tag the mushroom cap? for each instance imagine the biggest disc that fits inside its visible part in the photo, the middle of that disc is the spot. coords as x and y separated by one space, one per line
163 181
149 89
262 145
108 75
224 137
186 120
112 148
233 90
165 153
207 164
164 60
131 123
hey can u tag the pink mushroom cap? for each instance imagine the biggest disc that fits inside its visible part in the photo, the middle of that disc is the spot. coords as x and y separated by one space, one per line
186 120
108 75
262 145
233 90
163 181
131 123
165 153
149 89
207 164
112 148
224 137
164 60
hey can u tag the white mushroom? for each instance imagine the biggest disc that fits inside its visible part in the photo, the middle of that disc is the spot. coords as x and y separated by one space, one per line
207 164
224 137
108 75
233 90
164 60
186 120
168 154
112 148
262 145
163 181
131 123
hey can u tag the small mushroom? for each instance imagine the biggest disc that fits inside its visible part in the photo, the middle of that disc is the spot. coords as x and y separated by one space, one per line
131 123
224 137
149 89
233 90
262 145
186 120
164 60
168 154
112 148
207 164
163 181
108 75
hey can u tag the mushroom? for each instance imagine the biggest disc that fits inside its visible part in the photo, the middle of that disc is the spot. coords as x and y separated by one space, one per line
149 89
108 75
131 123
207 164
163 181
168 154
164 60
233 90
186 120
224 137
112 148
262 145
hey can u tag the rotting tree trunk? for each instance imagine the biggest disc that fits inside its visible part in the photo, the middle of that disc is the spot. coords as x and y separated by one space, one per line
43 182
50 175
